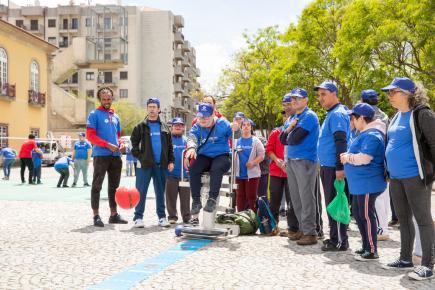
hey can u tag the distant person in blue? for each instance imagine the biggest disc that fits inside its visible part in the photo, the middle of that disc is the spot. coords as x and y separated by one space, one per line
364 169
37 164
103 130
152 145
333 140
208 147
173 188
410 157
300 134
9 156
81 156
62 166
131 162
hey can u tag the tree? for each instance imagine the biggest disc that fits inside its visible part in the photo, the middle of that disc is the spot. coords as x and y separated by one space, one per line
129 114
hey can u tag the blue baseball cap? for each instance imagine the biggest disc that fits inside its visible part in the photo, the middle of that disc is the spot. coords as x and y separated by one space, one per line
362 109
82 134
239 115
404 84
287 98
300 93
369 95
327 85
205 110
247 120
177 120
153 101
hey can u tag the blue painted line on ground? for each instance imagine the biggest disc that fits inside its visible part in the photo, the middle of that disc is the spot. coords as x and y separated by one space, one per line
137 273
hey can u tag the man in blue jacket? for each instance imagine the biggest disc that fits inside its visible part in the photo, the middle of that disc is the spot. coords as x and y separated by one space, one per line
334 134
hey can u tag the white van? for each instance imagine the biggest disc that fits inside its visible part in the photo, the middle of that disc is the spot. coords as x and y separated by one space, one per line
52 151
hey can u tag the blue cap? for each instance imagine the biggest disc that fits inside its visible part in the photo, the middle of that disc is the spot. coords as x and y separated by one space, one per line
82 134
300 93
362 109
405 84
287 98
177 120
247 120
369 95
153 101
326 85
205 110
239 115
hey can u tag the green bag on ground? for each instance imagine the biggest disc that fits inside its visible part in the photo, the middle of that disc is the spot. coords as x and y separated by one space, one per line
246 220
338 209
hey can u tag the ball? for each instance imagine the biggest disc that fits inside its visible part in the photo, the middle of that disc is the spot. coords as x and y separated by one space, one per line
127 198
178 230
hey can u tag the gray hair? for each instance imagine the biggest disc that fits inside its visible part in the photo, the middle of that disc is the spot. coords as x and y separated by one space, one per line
419 97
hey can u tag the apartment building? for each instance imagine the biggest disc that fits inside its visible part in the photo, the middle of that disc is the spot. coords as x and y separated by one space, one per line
138 52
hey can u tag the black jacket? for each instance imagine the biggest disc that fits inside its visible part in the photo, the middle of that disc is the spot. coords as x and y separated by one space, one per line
142 148
422 124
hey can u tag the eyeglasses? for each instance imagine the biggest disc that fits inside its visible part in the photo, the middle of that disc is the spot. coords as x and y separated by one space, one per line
393 92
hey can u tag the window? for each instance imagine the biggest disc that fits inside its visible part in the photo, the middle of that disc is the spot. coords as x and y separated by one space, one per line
4 133
123 93
75 78
65 24
64 42
19 23
90 76
90 93
107 23
123 21
3 67
123 75
74 23
33 24
107 42
34 132
107 56
88 22
51 22
107 77
34 76
52 40
124 58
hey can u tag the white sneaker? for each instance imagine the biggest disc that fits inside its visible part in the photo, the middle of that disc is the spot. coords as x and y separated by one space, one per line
138 223
163 223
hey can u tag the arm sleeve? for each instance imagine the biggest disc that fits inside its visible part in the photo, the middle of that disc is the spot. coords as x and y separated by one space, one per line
192 138
94 139
270 146
359 159
283 137
171 156
427 125
340 147
135 141
297 136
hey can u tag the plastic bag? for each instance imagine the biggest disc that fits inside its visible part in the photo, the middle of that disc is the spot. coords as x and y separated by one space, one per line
338 209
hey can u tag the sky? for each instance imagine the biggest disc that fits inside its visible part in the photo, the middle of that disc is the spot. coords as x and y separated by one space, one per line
213 27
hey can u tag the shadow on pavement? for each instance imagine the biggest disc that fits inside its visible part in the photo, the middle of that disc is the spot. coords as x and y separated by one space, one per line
92 229
405 282
145 231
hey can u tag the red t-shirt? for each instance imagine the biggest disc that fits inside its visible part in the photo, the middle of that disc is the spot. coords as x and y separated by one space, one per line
275 146
26 149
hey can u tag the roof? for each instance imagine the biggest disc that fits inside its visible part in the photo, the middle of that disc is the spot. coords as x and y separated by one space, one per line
8 26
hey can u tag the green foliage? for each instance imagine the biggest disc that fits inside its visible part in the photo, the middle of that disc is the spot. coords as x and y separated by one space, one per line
130 115
359 44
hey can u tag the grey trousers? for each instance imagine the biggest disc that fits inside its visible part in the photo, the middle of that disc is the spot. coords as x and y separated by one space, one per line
411 197
301 175
81 165
172 191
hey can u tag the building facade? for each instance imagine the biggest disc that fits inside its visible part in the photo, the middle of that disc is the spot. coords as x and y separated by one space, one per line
24 84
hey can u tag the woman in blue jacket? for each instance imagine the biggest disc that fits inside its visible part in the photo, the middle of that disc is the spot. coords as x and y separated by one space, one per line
364 169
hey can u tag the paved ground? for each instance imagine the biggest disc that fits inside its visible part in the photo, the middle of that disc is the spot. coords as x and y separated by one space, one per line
47 242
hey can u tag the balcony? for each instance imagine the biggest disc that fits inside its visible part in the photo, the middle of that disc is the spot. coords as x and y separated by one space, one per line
185 63
178 88
178 55
106 29
7 92
68 10
185 79
185 93
178 37
186 46
178 21
36 98
108 82
198 72
39 29
178 71
32 11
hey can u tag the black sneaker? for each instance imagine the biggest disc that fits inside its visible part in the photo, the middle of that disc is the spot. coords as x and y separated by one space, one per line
367 257
210 206
360 251
399 265
196 207
326 241
117 219
98 222
329 247
58 185
421 273
65 185
73 185
194 222
86 184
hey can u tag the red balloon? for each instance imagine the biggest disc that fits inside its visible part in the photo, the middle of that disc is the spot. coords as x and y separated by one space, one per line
126 197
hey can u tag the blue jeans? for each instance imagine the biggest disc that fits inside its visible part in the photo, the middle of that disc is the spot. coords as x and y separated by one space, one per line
143 179
37 174
7 164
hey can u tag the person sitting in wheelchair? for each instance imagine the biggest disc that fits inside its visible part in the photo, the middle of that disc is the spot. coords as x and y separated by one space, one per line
208 148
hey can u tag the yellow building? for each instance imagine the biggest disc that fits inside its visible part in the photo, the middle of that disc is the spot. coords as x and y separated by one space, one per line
24 84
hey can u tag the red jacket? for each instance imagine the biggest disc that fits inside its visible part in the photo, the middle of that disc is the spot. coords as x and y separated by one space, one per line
26 148
274 146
